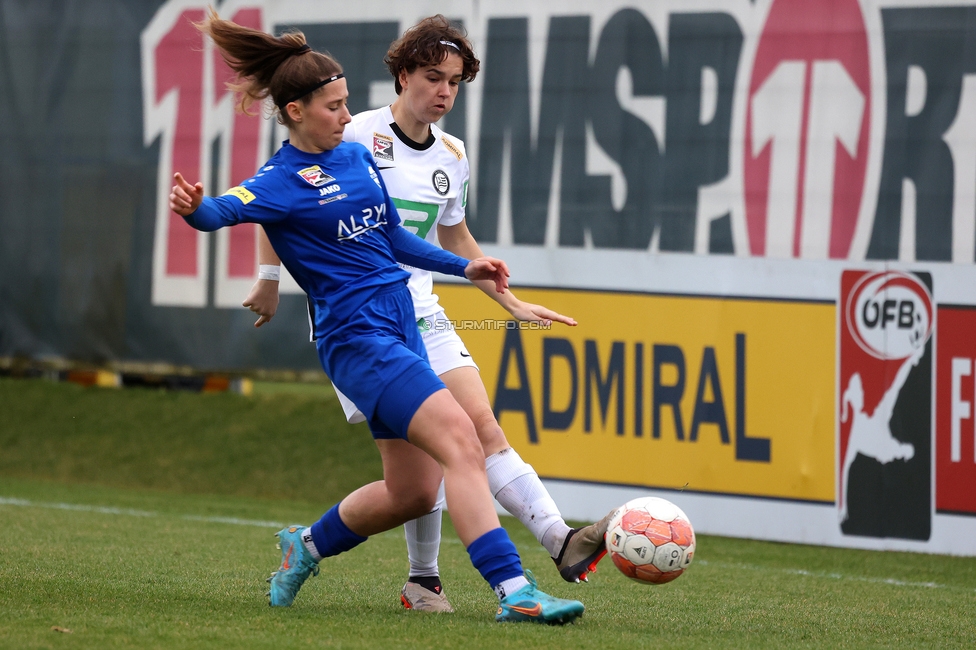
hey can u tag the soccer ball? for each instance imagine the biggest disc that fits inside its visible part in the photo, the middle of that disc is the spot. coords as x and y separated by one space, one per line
650 540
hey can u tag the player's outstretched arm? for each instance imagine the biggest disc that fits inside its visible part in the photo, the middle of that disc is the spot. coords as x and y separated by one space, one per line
263 297
458 240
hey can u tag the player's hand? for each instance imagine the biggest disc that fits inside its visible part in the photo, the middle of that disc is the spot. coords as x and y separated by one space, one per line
263 301
185 198
529 312
488 268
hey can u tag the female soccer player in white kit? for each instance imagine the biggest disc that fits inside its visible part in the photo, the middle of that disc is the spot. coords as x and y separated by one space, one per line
426 173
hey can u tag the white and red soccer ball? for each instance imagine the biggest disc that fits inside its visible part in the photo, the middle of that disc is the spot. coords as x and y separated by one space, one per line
650 540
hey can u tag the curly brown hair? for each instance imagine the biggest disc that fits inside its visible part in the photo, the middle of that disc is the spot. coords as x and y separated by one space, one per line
268 66
429 42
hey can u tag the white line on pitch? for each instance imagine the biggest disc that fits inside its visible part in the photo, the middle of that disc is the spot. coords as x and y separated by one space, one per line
7 501
833 576
129 512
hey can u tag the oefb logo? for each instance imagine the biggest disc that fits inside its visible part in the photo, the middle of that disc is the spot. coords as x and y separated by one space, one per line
889 314
884 421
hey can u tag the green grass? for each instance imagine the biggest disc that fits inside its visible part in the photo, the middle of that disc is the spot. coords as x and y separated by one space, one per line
279 444
129 518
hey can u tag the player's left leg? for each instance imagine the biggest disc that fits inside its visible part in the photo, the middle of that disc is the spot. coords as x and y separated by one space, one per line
373 508
423 591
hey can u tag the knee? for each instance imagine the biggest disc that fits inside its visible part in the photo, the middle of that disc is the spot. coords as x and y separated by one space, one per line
490 433
465 442
416 502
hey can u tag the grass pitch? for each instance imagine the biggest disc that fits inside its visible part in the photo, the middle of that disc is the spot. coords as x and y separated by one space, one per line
140 519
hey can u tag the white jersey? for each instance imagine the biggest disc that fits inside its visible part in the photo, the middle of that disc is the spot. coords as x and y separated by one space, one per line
428 184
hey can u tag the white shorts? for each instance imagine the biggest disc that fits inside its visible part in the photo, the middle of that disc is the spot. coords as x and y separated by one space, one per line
445 350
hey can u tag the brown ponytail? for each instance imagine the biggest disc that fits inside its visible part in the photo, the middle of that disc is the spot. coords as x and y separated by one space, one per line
268 66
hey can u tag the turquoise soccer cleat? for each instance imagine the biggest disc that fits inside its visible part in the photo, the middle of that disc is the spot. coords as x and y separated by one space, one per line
296 565
529 604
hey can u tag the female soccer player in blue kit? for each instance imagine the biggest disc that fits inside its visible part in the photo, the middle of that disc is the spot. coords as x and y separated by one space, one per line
342 247
426 173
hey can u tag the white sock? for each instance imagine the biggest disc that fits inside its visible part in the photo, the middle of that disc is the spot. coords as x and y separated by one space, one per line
424 540
310 544
520 491
510 586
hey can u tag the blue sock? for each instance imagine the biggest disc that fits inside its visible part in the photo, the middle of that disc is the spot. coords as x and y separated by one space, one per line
495 557
331 536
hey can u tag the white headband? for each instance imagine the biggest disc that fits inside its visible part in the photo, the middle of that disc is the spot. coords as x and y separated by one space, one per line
451 44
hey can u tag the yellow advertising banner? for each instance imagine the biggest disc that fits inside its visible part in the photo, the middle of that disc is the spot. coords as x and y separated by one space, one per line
707 394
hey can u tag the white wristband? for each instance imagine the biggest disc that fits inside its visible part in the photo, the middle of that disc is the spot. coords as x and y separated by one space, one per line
269 272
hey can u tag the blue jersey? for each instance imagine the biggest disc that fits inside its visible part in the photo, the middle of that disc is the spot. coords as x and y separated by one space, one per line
333 225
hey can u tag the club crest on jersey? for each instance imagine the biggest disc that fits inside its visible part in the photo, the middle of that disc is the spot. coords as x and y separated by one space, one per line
441 182
382 147
314 176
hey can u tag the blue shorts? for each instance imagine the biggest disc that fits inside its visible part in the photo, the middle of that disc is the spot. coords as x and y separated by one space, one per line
378 360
